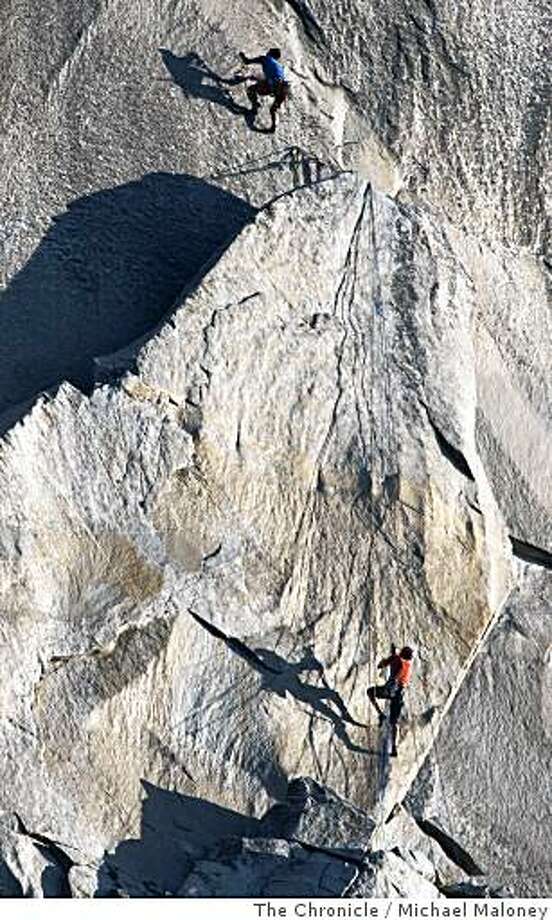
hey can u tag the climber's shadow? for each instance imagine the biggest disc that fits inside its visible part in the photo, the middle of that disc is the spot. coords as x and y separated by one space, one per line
196 79
281 676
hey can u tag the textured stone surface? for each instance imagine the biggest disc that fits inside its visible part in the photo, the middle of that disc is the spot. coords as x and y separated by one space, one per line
320 426
393 877
269 868
108 110
280 870
312 814
402 835
30 866
488 777
192 848
214 567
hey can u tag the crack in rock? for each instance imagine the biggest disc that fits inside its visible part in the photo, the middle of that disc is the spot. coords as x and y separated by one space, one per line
456 853
53 852
312 28
233 643
448 450
534 555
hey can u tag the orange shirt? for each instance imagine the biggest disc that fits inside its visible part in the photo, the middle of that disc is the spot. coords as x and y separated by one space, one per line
401 670
404 672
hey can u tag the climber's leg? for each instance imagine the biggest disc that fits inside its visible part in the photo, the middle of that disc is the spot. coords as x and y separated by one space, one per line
378 693
394 716
281 93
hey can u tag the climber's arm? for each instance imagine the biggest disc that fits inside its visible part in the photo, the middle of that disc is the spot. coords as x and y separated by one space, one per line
254 60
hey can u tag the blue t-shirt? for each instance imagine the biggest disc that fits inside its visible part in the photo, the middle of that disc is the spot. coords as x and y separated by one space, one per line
273 71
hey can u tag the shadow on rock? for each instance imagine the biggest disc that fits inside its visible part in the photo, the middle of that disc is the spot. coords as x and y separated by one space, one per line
176 831
10 886
190 847
197 80
106 272
283 676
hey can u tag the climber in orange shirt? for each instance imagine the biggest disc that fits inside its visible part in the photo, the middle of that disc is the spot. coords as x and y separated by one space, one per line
400 672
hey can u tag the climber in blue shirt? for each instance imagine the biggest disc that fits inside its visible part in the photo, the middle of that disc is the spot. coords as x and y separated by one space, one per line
274 83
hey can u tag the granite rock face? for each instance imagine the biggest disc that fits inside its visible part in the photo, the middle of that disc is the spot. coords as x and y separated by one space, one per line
499 725
305 416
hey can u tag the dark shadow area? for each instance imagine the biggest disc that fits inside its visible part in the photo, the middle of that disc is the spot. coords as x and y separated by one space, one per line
281 677
316 696
106 272
10 886
456 853
527 552
214 851
54 879
54 882
449 451
176 830
197 80
282 818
